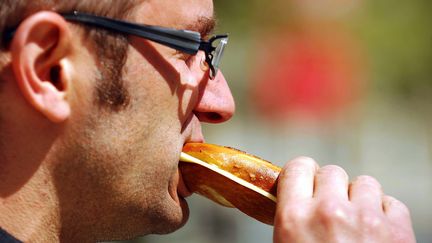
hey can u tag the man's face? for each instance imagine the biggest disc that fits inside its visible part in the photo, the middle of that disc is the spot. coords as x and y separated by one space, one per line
124 163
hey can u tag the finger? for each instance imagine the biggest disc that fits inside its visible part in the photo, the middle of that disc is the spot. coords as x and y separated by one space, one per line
399 214
367 192
331 181
395 209
296 180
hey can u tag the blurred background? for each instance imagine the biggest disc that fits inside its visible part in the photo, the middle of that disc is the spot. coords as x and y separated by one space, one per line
347 82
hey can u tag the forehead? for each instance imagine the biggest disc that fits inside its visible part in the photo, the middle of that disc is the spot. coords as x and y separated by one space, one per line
173 13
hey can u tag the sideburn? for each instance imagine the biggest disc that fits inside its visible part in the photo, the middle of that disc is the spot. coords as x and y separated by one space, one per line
110 92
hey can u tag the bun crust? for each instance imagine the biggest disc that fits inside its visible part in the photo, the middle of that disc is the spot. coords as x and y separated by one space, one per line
232 178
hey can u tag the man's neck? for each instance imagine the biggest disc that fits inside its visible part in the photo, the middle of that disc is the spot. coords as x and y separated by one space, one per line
28 198
29 214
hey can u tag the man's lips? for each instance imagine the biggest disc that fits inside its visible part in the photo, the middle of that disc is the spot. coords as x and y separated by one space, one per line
194 136
182 189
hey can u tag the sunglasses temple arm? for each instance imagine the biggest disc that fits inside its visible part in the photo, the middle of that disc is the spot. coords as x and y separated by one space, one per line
182 40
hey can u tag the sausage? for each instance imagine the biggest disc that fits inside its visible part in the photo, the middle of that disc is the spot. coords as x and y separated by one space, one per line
231 178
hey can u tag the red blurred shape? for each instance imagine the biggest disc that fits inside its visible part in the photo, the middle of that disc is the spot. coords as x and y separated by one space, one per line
310 75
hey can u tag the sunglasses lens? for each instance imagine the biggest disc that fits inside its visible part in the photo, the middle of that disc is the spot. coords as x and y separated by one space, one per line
218 53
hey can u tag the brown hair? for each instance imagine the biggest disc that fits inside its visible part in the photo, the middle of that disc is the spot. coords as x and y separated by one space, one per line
12 12
111 48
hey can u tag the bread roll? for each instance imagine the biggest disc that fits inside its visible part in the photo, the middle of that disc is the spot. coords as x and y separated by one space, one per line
231 178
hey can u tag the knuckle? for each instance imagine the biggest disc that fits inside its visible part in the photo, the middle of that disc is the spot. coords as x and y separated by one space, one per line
370 220
301 165
304 161
374 225
333 170
331 212
296 214
391 202
368 180
284 233
405 235
290 218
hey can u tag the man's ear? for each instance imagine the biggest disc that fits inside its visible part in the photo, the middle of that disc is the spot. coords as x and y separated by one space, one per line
41 52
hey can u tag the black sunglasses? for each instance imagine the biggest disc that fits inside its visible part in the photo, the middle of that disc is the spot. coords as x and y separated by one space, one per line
186 41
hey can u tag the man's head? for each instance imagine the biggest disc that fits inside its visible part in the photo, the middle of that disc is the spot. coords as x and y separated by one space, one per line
92 122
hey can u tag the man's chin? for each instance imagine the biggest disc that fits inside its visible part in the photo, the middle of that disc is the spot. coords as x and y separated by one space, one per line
182 203
177 212
185 211
173 219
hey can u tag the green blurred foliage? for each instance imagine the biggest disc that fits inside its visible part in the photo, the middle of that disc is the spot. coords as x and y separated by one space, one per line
398 38
395 35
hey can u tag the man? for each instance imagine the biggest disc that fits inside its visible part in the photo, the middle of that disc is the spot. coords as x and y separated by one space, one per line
93 116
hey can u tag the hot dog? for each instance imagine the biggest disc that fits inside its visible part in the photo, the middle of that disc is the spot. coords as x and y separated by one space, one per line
231 178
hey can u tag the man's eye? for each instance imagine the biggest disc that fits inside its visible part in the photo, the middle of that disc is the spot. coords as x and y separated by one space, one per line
187 58
183 56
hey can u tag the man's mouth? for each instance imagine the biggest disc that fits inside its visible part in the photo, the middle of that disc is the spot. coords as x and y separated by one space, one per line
177 189
182 189
194 136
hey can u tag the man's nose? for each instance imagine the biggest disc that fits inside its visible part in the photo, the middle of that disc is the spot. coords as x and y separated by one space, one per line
216 103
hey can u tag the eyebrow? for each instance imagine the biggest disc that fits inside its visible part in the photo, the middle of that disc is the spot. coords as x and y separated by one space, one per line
204 25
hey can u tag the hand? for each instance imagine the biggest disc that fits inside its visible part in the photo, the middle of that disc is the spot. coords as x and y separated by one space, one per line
320 205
